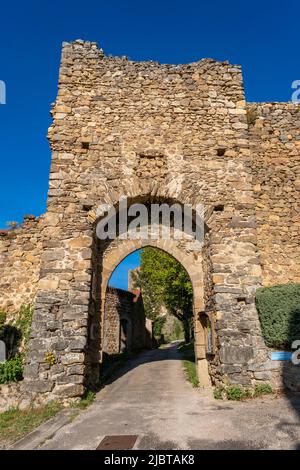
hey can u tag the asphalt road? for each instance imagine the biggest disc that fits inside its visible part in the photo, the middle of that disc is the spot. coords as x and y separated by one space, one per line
152 399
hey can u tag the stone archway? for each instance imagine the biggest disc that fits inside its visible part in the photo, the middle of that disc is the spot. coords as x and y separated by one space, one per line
194 268
106 255
231 308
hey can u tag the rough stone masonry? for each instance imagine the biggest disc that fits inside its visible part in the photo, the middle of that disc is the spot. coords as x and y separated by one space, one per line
124 326
163 133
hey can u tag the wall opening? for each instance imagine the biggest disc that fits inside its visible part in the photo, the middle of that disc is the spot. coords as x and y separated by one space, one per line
148 301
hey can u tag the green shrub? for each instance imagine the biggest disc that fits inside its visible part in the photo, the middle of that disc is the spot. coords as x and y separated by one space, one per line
11 370
234 392
237 393
262 389
279 313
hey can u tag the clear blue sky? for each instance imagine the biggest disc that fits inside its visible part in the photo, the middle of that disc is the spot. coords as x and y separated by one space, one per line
119 277
262 36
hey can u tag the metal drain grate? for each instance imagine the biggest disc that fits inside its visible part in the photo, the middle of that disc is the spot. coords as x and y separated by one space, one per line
117 443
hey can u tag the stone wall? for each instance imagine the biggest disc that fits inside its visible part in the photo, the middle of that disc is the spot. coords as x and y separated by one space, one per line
12 396
163 133
120 306
20 259
145 130
274 133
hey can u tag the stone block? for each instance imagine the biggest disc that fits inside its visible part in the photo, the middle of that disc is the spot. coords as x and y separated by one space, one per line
72 358
76 369
31 370
70 379
78 344
69 390
236 354
266 375
48 284
80 242
264 366
40 386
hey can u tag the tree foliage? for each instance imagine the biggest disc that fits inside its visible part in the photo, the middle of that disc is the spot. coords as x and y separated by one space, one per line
164 281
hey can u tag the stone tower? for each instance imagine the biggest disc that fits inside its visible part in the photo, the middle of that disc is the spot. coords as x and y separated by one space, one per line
169 134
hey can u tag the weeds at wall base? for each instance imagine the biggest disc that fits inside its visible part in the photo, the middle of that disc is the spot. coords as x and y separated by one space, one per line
236 393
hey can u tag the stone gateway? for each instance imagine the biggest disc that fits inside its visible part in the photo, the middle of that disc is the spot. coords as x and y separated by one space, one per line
156 133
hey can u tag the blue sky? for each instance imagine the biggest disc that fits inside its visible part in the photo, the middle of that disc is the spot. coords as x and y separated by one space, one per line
262 36
119 277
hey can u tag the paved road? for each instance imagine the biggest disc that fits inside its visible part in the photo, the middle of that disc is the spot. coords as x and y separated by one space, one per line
152 399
